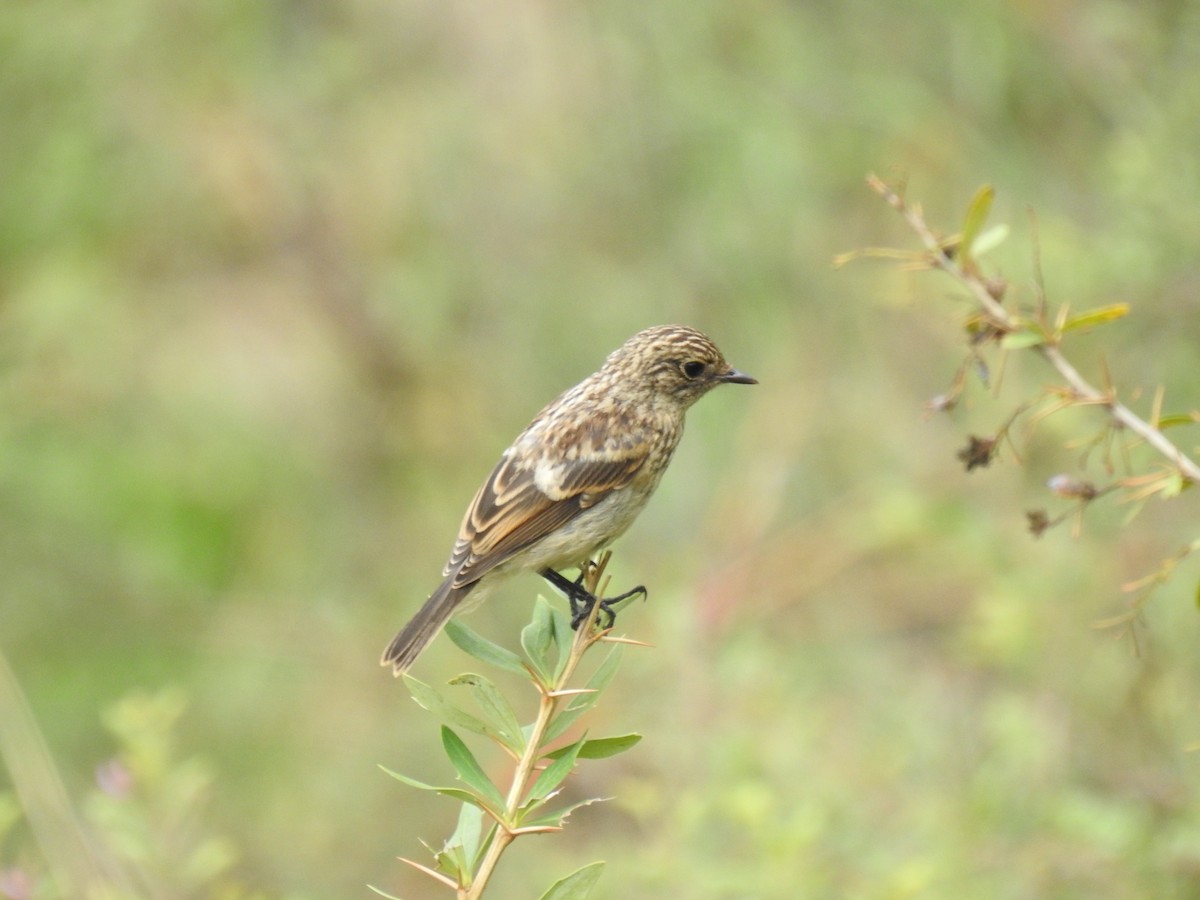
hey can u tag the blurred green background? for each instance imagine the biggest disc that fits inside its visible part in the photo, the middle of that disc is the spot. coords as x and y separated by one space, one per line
278 281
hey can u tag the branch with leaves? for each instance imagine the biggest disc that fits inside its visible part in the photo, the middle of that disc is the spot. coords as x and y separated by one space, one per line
491 818
996 328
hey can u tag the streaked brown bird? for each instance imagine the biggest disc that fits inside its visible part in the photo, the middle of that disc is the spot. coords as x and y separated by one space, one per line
575 478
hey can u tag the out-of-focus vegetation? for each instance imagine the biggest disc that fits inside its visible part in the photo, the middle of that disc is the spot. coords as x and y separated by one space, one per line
279 281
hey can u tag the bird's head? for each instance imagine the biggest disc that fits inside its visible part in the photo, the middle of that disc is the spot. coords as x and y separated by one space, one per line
675 363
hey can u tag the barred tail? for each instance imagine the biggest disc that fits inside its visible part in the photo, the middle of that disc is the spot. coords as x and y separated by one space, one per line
405 647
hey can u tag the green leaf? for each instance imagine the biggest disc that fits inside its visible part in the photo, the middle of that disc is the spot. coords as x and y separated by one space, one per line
977 213
497 713
469 770
476 645
466 836
554 774
568 717
455 793
1096 316
583 702
1019 340
577 885
1173 485
452 859
537 638
460 856
989 240
606 671
558 818
601 748
450 714
563 637
1176 419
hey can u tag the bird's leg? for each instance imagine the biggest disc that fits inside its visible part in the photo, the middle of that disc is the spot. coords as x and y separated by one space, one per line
582 600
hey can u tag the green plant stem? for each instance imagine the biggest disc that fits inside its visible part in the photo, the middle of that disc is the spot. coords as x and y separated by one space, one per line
585 637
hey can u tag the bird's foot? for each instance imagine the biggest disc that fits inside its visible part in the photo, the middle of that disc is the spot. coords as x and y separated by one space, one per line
608 607
583 601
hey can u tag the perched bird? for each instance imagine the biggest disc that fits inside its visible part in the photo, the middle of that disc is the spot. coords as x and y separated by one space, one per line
575 478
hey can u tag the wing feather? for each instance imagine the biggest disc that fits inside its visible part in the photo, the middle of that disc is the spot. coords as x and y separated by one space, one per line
511 511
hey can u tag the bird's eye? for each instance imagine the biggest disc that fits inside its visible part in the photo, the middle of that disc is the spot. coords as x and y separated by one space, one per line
693 369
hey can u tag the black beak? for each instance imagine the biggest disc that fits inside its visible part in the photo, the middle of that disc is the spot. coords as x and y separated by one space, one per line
733 376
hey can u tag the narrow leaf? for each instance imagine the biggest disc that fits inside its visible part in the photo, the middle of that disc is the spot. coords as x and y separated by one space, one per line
563 638
989 240
568 717
1096 316
476 645
601 748
1019 340
455 793
467 834
452 859
977 213
485 846
577 885
537 637
450 714
1175 419
600 679
469 770
558 818
555 773
497 712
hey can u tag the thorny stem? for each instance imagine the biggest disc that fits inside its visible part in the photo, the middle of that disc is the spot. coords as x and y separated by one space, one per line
1084 391
585 637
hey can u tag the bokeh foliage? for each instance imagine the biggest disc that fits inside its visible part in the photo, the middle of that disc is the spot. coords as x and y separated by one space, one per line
279 280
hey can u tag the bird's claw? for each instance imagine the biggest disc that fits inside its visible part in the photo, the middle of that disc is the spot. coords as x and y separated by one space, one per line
583 601
580 613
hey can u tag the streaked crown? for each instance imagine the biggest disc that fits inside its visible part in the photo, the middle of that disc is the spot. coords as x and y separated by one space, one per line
675 361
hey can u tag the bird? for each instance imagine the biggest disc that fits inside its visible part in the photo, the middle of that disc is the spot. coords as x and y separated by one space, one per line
575 479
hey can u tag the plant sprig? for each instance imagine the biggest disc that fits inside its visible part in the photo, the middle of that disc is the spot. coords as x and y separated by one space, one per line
958 258
491 818
1043 331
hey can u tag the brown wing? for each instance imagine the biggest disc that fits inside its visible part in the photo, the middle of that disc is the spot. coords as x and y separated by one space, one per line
510 512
